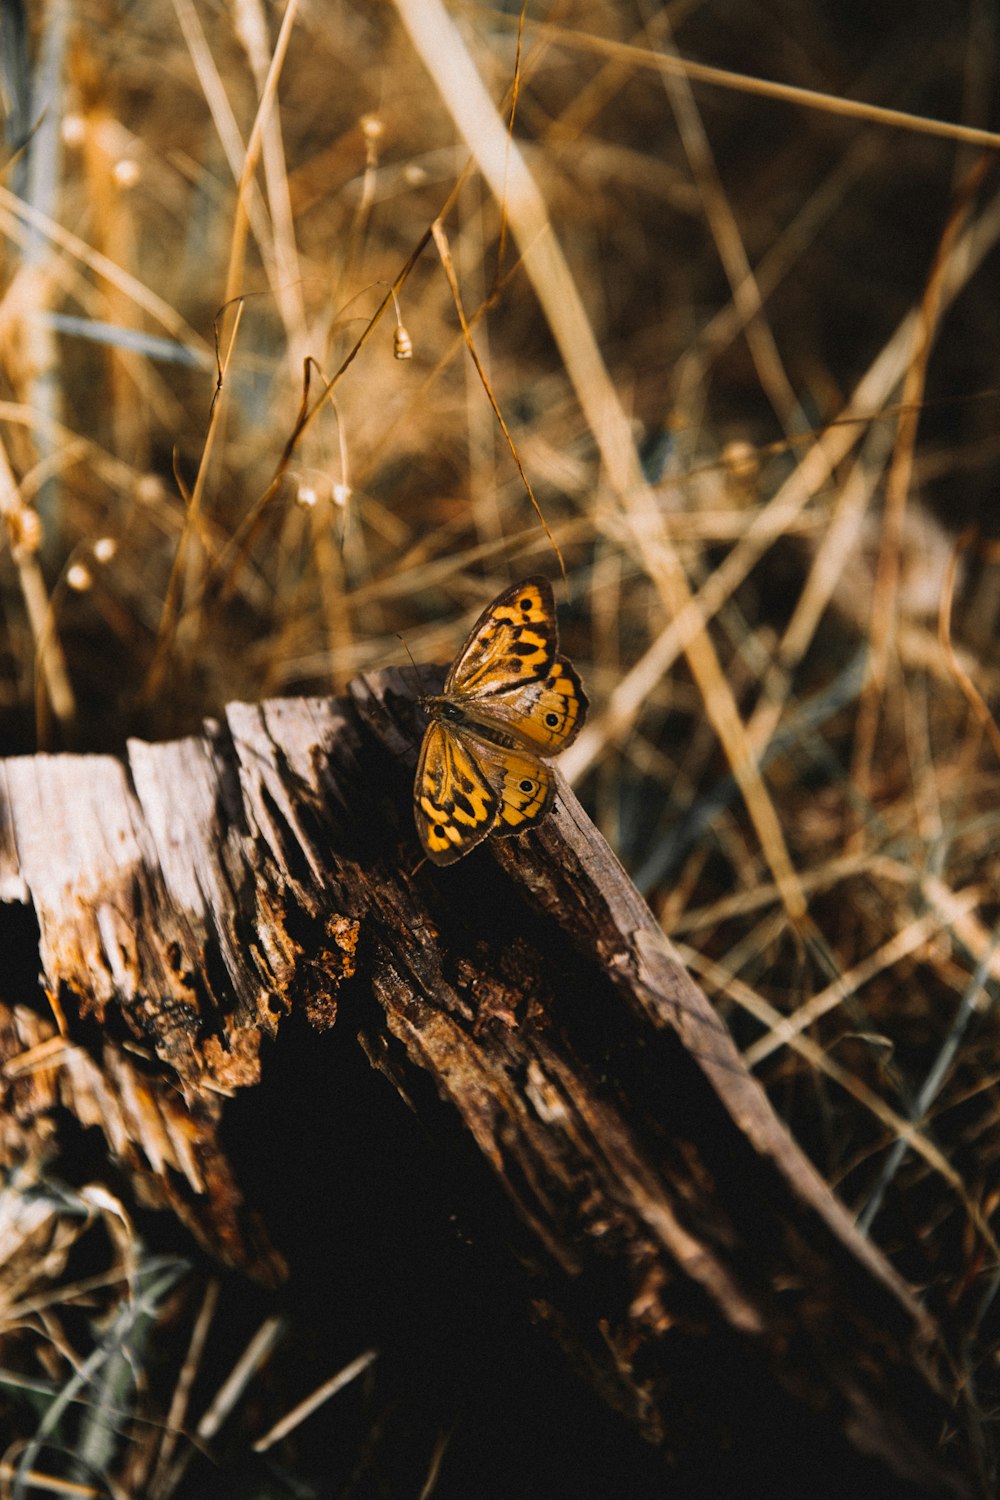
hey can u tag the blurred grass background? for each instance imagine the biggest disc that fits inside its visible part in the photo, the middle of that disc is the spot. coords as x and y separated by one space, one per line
754 391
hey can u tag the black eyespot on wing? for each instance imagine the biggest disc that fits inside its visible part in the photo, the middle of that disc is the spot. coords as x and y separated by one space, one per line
526 790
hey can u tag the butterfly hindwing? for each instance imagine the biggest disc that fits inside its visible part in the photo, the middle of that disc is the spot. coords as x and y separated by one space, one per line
454 803
524 784
513 642
545 715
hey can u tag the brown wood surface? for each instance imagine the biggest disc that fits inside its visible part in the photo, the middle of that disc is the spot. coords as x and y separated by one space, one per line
680 1246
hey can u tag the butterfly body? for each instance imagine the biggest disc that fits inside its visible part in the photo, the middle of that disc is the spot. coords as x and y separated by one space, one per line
509 701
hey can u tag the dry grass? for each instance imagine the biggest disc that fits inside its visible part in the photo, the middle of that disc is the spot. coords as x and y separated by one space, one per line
743 340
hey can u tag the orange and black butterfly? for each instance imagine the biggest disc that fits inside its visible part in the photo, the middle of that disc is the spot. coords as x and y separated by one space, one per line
510 701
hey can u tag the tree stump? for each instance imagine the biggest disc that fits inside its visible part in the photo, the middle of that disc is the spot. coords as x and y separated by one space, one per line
683 1251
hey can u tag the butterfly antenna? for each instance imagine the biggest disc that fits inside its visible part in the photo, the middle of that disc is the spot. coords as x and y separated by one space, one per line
416 673
413 664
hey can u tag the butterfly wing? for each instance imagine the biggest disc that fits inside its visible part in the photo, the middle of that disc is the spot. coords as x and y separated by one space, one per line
525 785
543 716
466 787
513 642
455 801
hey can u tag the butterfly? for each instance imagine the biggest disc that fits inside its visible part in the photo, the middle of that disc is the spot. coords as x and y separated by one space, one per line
508 700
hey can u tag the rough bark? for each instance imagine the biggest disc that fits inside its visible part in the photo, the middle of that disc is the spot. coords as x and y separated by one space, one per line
684 1251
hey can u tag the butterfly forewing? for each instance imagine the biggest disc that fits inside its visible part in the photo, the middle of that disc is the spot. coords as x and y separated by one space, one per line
454 804
508 699
514 641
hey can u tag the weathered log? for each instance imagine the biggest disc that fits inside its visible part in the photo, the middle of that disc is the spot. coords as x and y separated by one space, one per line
683 1249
